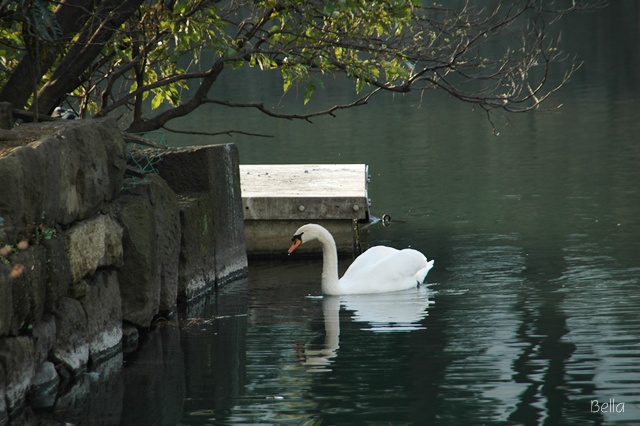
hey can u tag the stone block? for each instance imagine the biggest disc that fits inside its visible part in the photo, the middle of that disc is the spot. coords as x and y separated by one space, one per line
44 386
71 347
213 169
28 289
139 275
150 217
11 198
166 214
84 167
6 300
66 175
231 250
188 170
58 270
60 181
79 289
104 316
4 414
93 243
16 358
109 133
43 335
197 247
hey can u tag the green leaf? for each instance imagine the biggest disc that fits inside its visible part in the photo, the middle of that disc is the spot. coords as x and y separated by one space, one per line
311 87
157 100
287 78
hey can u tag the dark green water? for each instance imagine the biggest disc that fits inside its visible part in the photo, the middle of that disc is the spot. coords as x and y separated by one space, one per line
531 313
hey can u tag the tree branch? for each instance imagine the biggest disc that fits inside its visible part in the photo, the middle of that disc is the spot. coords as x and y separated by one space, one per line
306 117
141 126
226 132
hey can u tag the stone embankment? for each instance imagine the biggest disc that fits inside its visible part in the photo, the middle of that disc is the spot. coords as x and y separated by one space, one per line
85 264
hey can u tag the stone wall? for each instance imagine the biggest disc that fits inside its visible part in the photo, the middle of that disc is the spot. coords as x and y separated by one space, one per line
84 262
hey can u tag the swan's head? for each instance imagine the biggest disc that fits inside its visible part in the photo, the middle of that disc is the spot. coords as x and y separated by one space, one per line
305 233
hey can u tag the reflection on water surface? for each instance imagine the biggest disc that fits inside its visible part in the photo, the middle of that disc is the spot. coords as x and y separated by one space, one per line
496 345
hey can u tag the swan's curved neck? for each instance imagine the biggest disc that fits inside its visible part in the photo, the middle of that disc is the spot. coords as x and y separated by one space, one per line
329 263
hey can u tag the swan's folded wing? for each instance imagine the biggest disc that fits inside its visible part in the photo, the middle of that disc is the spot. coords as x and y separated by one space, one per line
395 271
367 260
403 263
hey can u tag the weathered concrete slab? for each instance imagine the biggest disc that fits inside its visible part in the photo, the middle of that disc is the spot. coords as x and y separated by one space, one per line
304 191
197 251
213 169
273 238
279 198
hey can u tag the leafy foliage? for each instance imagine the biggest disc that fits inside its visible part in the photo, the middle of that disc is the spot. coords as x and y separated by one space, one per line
171 52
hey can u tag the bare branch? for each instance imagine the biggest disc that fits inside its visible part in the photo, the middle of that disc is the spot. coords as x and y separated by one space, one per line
226 132
141 140
306 117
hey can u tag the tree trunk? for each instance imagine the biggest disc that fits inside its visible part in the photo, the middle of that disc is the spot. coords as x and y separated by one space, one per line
70 16
108 18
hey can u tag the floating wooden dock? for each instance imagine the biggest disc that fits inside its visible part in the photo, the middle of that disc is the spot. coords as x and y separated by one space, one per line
279 198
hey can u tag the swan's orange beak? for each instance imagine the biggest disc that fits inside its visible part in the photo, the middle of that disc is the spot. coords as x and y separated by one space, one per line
296 241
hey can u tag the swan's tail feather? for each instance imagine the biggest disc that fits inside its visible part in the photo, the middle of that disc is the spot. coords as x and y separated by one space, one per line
422 273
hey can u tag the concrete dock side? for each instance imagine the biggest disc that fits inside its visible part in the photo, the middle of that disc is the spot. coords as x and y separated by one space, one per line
278 198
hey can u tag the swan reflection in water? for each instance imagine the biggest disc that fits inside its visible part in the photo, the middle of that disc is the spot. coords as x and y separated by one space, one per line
400 311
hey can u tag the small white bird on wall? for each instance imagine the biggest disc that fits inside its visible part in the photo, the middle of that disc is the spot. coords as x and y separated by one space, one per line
64 114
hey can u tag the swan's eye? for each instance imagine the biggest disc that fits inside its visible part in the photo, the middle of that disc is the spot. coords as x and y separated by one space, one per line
297 237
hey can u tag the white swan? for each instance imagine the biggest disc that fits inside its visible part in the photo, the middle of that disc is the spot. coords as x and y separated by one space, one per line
377 270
